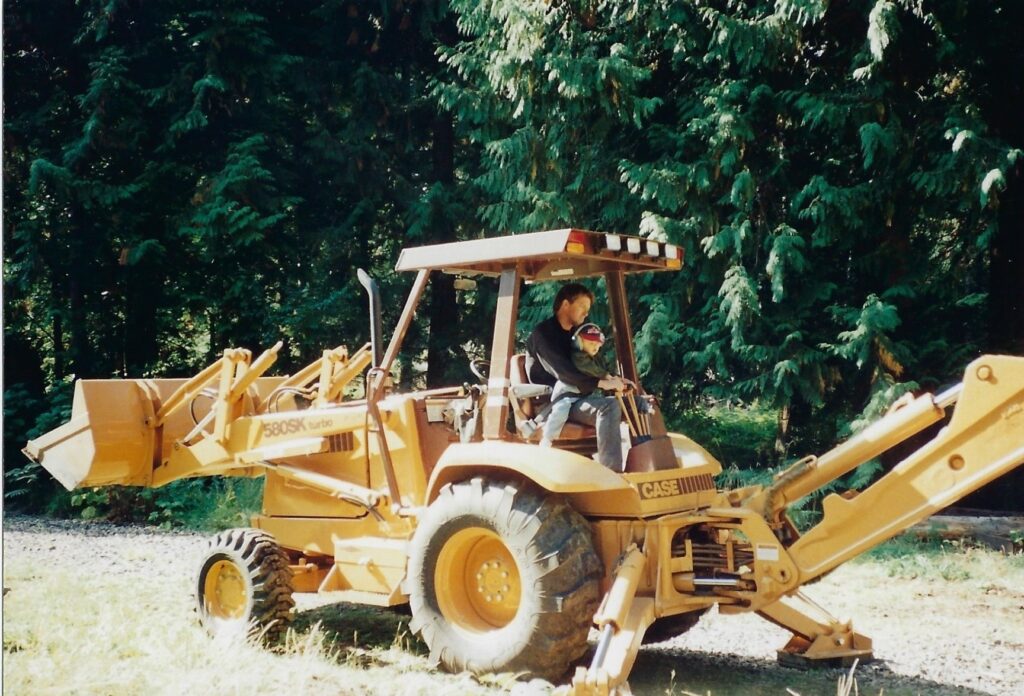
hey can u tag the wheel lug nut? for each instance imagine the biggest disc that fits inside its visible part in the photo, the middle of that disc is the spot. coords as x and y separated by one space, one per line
498 598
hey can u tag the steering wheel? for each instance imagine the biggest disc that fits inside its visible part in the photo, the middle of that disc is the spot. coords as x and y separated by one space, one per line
480 368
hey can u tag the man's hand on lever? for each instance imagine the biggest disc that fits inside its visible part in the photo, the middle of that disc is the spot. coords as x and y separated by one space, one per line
613 383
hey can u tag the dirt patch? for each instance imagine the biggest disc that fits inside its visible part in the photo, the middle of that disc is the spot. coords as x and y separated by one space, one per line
931 635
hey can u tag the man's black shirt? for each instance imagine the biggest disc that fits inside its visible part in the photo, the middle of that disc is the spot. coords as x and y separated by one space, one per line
549 357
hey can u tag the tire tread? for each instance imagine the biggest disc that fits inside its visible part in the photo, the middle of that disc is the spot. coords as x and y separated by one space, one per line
257 555
565 572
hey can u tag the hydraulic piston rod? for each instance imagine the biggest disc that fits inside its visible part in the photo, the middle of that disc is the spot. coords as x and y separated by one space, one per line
812 473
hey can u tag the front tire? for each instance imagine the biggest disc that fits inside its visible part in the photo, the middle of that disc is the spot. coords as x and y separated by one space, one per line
244 585
502 579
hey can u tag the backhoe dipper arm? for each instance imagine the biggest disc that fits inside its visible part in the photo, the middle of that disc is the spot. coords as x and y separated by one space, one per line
983 441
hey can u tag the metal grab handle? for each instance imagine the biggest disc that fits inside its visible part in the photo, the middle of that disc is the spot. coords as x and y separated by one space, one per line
375 378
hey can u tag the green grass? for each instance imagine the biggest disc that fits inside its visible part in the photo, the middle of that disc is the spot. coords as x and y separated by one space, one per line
741 437
953 561
68 633
226 503
202 504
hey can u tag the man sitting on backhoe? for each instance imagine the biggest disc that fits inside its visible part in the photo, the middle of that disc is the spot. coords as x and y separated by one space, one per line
549 359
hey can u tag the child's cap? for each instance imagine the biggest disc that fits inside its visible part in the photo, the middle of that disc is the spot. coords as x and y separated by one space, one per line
589 332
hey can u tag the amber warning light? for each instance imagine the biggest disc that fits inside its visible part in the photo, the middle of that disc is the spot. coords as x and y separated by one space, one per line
576 243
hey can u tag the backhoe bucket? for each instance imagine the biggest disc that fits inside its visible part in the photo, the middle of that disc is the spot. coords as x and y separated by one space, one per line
107 440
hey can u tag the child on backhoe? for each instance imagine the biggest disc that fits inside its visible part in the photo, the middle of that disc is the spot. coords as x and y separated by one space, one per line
587 341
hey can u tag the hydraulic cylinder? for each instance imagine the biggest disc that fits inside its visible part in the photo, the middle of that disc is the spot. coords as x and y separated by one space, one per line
812 473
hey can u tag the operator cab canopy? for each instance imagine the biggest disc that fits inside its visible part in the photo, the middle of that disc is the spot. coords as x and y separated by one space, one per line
557 255
539 256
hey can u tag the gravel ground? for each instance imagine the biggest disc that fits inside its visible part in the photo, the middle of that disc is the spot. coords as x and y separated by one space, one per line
930 636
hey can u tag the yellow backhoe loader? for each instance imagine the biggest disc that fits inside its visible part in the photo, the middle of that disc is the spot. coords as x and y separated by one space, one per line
506 552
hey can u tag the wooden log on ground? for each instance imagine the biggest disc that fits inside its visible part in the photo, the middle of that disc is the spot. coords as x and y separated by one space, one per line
1002 532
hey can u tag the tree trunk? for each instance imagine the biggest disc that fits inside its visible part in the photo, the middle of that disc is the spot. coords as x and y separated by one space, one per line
142 293
58 348
998 532
782 433
442 353
81 359
1003 111
1006 298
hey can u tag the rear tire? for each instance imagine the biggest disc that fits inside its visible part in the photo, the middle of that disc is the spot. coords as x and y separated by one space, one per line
244 585
502 579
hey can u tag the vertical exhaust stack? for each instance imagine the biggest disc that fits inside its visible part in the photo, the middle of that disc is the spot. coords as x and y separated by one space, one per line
374 296
375 384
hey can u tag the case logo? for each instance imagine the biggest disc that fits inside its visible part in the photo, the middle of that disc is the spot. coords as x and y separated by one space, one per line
676 486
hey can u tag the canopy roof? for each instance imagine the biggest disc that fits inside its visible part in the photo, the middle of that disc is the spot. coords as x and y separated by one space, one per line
553 255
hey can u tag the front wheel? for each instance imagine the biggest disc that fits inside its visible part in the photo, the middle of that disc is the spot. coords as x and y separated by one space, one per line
502 579
245 585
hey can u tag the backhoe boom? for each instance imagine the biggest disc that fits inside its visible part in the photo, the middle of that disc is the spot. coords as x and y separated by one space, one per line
983 441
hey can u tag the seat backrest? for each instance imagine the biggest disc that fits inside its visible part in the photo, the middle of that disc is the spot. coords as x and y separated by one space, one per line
517 369
517 375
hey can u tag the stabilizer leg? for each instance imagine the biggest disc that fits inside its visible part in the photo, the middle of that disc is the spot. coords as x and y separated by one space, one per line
623 619
819 639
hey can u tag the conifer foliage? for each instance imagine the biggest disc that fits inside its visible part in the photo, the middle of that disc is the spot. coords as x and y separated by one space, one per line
845 180
809 157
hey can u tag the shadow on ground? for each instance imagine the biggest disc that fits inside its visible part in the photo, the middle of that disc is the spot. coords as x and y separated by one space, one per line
659 670
667 671
356 625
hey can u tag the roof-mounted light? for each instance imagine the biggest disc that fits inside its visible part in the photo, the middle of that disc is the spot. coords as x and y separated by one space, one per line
576 244
652 249
673 256
633 245
613 242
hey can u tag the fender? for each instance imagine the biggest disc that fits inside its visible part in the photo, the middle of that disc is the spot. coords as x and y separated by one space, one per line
592 488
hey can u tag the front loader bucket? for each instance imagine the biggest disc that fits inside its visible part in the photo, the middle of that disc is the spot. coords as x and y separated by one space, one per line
111 437
107 440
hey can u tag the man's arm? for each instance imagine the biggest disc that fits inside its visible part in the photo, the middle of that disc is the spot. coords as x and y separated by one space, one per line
597 367
558 363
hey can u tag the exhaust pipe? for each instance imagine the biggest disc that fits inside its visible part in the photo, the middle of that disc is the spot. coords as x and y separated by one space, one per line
374 294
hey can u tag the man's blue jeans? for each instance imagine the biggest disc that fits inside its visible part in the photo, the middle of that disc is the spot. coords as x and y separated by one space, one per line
605 415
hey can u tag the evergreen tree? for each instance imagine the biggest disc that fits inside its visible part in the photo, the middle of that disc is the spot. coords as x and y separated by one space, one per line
845 180
807 157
